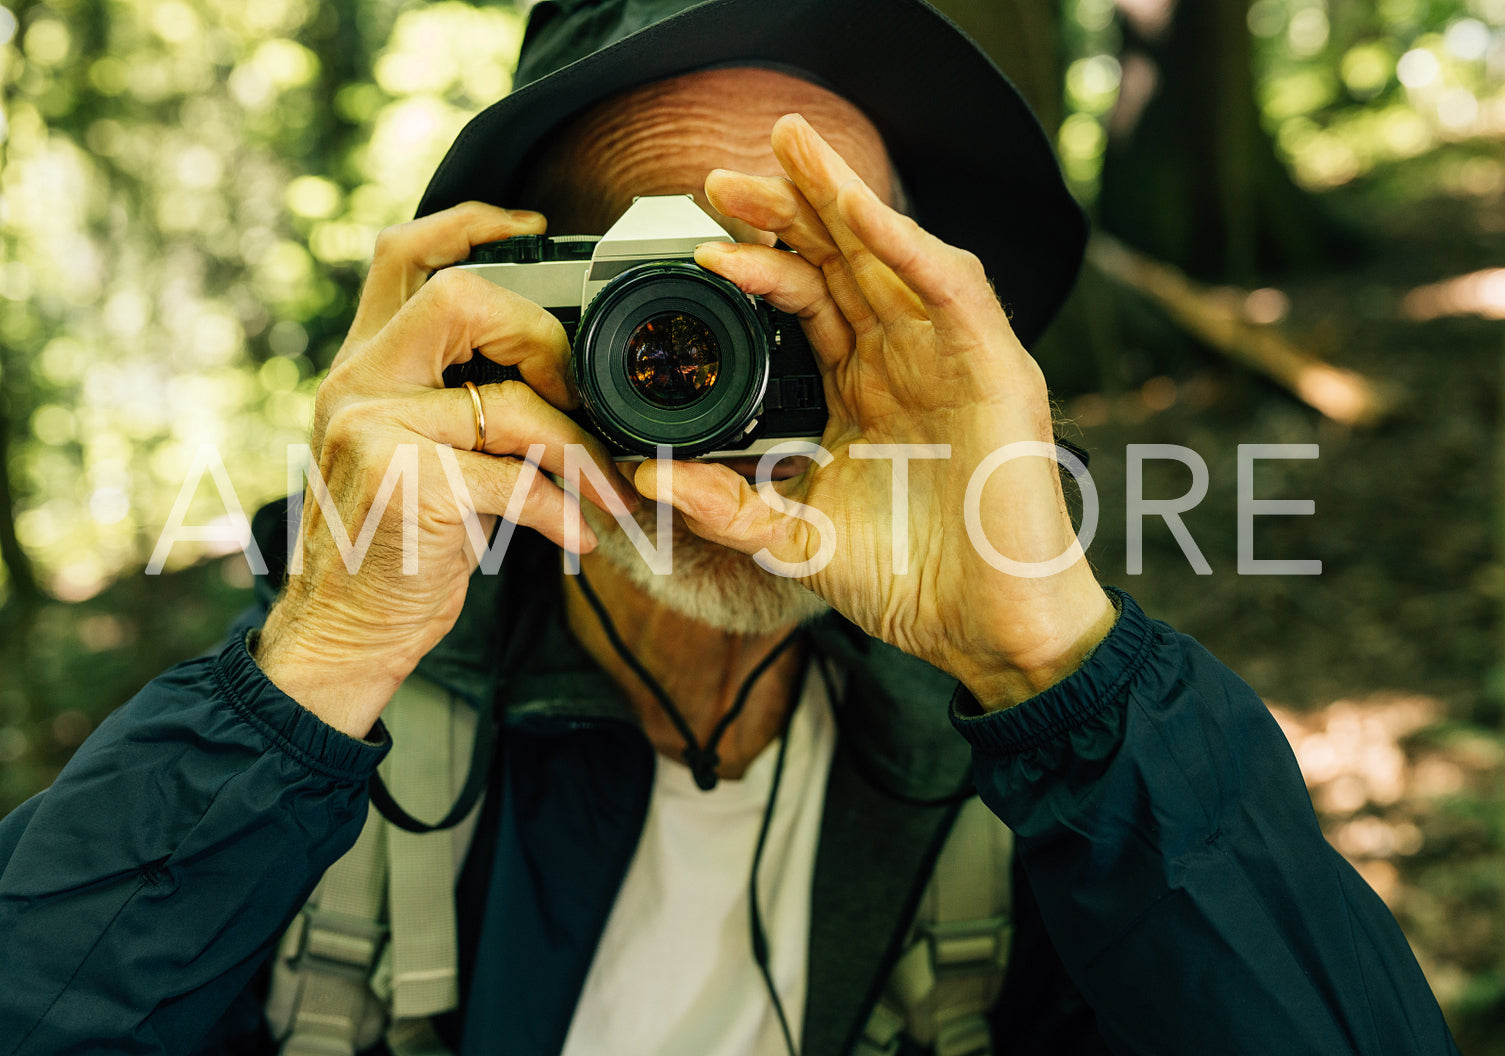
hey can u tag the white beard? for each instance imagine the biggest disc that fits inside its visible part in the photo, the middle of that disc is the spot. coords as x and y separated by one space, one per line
709 583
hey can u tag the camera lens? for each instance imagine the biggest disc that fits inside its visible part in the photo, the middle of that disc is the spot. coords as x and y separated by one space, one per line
669 354
673 359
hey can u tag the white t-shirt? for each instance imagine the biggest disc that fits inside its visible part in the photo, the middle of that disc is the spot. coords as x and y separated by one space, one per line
674 973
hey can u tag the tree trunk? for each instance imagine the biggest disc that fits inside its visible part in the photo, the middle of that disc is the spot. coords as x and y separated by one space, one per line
20 578
1190 176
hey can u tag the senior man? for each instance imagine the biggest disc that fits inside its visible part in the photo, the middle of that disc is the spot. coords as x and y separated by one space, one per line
1173 895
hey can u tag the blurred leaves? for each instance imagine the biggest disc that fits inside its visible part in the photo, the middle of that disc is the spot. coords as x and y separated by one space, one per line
187 190
1344 85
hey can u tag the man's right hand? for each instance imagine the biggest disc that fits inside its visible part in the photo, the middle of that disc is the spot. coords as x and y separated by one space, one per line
340 642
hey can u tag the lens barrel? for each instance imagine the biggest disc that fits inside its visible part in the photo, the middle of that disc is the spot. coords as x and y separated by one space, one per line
669 353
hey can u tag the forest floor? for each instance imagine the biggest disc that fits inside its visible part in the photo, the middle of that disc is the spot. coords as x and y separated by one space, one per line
1384 669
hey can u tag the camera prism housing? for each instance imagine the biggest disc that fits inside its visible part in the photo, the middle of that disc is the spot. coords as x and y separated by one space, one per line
664 352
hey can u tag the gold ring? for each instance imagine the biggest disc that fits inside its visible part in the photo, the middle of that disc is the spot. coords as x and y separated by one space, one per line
475 403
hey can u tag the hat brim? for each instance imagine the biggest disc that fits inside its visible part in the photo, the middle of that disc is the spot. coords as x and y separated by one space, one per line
978 168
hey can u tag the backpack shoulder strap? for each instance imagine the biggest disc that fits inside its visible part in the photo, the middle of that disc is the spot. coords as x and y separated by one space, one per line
422 866
374 950
319 1003
951 971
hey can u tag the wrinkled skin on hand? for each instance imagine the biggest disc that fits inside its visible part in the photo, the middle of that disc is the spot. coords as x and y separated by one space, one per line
915 349
340 639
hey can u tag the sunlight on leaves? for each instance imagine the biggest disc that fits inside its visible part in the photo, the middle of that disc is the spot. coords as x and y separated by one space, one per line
189 190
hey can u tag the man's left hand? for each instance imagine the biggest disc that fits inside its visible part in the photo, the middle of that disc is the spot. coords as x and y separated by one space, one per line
915 350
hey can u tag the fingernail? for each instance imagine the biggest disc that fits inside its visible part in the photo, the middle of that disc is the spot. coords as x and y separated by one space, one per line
586 536
793 120
715 249
525 216
623 488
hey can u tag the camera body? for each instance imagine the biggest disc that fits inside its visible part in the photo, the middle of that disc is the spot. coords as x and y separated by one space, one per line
665 353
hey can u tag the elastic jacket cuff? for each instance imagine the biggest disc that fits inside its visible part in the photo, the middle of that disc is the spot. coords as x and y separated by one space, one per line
1100 682
291 727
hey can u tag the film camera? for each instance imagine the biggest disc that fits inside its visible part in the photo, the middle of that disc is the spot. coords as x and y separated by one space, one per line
664 351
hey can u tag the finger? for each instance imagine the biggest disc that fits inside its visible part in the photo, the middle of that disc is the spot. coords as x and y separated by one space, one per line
492 484
773 204
820 174
720 505
516 419
791 285
407 254
457 313
950 285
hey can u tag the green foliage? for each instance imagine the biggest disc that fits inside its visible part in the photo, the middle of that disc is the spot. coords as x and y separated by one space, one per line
1344 85
1348 86
189 189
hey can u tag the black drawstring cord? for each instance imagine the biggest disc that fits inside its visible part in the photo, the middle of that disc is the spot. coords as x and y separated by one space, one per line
702 760
759 937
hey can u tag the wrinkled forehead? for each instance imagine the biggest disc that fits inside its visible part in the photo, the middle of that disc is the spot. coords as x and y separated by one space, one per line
664 138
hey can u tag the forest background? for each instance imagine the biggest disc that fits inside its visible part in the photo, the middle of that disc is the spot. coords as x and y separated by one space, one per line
1300 207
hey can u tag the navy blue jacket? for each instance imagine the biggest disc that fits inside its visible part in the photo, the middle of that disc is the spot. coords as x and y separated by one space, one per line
1169 866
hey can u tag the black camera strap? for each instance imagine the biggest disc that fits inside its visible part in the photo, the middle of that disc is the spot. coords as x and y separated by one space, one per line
701 759
482 756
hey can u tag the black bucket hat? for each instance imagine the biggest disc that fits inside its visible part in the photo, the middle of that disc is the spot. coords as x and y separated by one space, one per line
979 171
